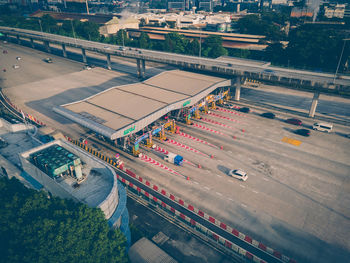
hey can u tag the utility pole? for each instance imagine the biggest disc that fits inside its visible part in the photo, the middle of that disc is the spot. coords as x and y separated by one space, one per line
87 7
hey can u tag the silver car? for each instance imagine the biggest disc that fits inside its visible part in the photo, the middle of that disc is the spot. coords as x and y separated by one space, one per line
239 174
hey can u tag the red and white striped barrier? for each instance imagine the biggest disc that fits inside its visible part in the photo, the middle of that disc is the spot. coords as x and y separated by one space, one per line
197 139
232 112
186 147
220 124
223 117
160 149
147 159
208 129
228 244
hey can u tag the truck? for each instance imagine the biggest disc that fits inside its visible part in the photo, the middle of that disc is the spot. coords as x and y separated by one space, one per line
174 158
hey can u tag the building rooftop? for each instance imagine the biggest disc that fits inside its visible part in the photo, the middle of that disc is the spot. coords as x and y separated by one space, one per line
127 109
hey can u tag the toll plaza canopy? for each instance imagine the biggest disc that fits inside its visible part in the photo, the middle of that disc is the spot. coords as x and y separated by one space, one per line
124 110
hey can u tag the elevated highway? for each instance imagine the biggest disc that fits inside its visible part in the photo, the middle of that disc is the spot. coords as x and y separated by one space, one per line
236 70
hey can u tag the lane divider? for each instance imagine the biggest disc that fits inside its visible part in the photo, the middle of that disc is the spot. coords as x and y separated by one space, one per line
230 111
223 117
197 139
186 147
220 124
191 208
208 129
160 149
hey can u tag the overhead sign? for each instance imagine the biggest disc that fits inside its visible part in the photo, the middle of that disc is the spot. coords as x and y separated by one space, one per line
186 103
129 130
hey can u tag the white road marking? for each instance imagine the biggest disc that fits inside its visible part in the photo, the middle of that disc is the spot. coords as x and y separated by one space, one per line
230 199
229 151
241 185
266 179
218 175
243 205
220 161
208 171
255 192
207 188
219 193
195 182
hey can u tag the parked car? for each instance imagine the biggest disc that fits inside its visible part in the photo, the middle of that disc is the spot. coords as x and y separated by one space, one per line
268 115
303 132
18 58
239 174
323 126
244 109
15 66
294 121
48 60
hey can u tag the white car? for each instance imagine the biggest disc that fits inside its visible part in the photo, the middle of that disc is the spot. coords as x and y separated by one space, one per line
239 174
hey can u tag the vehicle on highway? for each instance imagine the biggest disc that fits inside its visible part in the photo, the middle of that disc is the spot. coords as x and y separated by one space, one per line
4 52
48 60
268 115
15 66
18 58
322 126
294 121
122 48
269 71
239 174
303 132
107 47
244 109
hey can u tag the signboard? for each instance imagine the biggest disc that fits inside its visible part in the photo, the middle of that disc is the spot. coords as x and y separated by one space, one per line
136 147
186 103
129 130
144 136
156 130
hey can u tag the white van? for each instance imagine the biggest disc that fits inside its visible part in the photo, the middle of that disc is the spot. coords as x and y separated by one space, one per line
322 126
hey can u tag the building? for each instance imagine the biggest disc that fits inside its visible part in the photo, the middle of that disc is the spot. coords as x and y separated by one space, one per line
205 5
178 5
67 171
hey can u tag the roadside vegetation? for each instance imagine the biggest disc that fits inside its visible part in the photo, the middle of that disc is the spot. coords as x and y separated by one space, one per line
36 227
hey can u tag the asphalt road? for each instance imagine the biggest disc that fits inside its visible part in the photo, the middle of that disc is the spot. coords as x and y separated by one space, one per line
296 199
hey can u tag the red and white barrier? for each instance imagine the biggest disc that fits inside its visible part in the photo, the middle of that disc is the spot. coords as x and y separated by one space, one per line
197 139
223 117
208 129
220 124
186 147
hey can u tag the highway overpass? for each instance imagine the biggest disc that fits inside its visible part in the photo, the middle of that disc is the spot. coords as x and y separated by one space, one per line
236 70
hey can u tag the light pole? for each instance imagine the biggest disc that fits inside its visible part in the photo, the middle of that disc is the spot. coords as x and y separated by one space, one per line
200 43
75 39
341 56
41 28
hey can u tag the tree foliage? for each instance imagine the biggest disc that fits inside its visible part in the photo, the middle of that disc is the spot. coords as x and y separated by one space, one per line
212 47
174 42
35 228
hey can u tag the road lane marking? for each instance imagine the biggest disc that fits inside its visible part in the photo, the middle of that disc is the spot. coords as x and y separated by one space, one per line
220 161
241 185
266 179
243 205
195 182
208 171
291 141
218 175
219 193
230 199
229 151
207 188
255 192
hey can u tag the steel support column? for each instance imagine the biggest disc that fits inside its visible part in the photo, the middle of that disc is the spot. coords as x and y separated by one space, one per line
109 65
64 51
47 46
238 88
314 104
138 68
143 68
18 40
83 53
32 43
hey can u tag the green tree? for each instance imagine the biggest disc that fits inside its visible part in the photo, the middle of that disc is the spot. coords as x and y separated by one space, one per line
212 47
122 37
35 228
175 42
192 47
144 41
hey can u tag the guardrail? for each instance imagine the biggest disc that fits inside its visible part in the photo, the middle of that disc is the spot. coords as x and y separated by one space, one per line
192 216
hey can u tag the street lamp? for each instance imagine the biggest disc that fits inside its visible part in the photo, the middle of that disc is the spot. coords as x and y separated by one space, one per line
41 28
75 39
341 56
200 42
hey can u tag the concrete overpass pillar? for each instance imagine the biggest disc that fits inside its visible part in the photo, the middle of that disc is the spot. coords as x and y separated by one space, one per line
64 51
84 55
47 46
238 88
314 104
138 67
18 40
32 43
109 65
143 68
